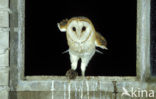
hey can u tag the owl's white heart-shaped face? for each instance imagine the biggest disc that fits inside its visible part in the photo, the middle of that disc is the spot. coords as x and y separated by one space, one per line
79 30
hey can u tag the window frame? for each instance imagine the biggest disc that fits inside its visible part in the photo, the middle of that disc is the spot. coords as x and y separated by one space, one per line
17 49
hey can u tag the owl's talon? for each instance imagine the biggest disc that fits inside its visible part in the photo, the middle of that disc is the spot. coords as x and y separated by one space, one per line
71 74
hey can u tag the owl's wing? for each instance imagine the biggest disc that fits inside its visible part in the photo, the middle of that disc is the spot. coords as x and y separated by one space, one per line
100 41
62 25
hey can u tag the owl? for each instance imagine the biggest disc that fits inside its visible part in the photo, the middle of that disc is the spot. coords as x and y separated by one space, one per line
82 39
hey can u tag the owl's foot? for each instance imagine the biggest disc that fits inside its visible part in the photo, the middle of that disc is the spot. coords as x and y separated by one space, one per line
71 74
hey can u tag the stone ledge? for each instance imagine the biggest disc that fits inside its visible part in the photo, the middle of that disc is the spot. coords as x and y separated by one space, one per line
4 17
61 95
83 84
64 85
4 76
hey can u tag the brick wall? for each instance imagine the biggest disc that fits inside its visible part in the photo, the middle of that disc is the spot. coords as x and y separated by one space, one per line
4 47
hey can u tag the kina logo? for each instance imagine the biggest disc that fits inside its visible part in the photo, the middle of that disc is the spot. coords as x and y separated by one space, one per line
137 92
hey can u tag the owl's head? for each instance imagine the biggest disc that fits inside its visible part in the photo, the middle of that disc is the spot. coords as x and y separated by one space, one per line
78 29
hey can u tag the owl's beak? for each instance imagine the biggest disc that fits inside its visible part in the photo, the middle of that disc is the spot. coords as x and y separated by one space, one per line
78 34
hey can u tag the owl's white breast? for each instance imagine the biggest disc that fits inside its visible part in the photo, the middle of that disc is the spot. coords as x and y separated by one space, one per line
85 47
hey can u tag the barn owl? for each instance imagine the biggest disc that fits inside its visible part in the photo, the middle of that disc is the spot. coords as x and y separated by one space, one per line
82 39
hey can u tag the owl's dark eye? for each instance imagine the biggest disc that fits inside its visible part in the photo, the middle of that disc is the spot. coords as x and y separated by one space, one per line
73 28
83 28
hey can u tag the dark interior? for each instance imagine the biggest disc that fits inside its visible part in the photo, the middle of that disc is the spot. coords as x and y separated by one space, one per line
153 37
44 43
